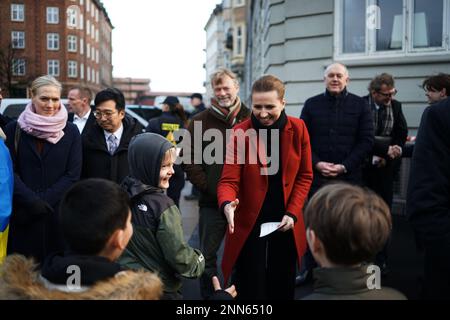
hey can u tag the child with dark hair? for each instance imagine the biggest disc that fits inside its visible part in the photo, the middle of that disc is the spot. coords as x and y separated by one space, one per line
347 226
96 224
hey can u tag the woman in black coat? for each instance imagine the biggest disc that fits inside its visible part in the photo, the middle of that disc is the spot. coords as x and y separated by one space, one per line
46 152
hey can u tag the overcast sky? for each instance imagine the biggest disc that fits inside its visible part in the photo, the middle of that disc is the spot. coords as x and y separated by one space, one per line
162 40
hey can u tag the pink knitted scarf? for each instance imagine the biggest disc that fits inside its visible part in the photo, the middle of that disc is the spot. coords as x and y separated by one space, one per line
47 128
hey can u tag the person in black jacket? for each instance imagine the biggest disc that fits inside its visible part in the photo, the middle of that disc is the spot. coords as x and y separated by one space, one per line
105 146
80 109
428 198
341 132
172 119
340 128
390 130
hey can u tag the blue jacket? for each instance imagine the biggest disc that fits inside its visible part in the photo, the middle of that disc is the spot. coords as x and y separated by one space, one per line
341 132
6 186
41 178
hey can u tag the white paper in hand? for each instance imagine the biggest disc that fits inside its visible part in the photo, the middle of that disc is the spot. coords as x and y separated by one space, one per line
268 228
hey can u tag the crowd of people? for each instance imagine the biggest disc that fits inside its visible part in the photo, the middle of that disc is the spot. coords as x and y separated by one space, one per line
323 183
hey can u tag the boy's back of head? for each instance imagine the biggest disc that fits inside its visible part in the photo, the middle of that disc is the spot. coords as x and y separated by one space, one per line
352 223
91 211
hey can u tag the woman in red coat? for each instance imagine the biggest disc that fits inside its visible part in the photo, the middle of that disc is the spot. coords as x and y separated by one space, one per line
266 178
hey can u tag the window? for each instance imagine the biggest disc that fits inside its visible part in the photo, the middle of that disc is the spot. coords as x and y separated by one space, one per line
92 31
52 41
238 3
96 35
93 75
97 56
53 67
391 27
88 50
92 10
81 22
81 46
18 67
81 70
72 16
52 15
81 2
88 27
18 39
88 73
88 5
96 15
17 12
98 77
72 43
72 69
239 46
93 53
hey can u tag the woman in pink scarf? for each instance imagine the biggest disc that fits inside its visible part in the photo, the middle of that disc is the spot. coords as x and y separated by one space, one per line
46 152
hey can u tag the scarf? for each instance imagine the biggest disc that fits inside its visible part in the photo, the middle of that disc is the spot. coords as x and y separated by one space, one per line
229 114
41 127
383 119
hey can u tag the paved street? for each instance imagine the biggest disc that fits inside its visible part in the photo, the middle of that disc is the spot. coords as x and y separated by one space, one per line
405 262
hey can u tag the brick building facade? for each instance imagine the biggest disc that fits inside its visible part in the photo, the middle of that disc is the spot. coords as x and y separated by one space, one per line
69 39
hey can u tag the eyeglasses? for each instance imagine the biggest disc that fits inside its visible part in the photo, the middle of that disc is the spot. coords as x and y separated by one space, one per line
388 95
107 114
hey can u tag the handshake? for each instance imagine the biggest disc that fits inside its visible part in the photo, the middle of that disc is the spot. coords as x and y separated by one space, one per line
394 152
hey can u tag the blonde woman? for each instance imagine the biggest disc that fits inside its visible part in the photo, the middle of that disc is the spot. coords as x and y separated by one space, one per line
46 152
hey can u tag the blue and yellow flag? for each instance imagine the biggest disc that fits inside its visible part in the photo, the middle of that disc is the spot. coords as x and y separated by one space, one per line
6 195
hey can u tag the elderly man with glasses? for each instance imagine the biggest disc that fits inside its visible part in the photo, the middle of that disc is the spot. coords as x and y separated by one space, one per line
390 131
105 146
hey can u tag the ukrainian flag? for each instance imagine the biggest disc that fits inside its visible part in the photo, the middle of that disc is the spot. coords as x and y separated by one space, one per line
6 194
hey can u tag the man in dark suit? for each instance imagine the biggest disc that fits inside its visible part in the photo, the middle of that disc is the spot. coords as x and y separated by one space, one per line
80 109
390 131
428 199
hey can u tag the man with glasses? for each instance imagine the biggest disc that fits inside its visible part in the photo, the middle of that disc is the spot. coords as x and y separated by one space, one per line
80 106
390 131
105 146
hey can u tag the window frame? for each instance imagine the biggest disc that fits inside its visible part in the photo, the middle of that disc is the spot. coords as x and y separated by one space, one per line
53 65
72 43
17 65
72 69
50 14
20 40
20 14
370 53
51 42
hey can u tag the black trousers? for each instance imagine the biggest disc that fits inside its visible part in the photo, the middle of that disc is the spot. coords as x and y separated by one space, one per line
437 269
266 267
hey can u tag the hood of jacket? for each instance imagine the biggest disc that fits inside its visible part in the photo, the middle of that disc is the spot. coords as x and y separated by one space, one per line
145 155
19 280
135 187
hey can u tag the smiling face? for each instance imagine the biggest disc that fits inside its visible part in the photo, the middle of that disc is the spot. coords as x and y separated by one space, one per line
336 79
434 95
226 91
166 172
47 100
267 107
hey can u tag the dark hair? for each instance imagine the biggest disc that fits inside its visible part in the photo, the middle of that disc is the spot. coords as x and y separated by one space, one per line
178 111
269 83
111 94
379 80
437 82
91 211
352 223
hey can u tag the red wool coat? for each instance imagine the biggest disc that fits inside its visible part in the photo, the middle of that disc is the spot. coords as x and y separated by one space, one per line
245 182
